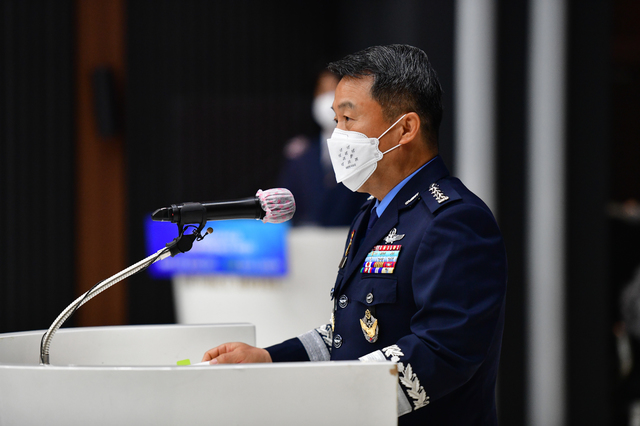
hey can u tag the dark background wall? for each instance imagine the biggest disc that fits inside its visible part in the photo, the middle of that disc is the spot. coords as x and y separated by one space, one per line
589 369
36 162
511 77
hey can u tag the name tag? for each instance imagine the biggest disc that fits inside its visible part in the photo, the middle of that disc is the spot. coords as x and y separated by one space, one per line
381 260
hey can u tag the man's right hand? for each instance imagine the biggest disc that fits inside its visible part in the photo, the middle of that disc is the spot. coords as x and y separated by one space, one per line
236 353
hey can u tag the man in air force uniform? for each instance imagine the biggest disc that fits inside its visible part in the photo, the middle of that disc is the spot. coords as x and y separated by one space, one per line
422 280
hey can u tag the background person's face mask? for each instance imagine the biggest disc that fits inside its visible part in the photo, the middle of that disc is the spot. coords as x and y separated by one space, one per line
322 111
354 156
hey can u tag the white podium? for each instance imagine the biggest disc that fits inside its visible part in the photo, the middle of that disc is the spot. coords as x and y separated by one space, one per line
128 376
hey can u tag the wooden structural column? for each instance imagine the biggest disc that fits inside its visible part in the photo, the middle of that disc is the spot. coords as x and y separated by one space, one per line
100 162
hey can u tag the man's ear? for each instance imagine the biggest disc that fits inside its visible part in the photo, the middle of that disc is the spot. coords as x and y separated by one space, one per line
410 126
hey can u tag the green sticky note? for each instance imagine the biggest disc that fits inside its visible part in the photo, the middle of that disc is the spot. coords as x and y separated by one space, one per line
184 362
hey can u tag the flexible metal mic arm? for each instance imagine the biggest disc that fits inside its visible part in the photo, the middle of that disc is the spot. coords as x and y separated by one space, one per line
183 243
48 336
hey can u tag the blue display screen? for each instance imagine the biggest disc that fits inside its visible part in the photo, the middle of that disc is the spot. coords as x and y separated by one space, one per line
244 247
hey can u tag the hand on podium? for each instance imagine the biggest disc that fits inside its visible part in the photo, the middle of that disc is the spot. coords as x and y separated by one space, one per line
236 353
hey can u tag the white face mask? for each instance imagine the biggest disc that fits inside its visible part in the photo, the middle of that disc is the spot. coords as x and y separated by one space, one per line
322 111
354 156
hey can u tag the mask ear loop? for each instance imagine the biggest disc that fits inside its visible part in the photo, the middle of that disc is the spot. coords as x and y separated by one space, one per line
385 132
391 149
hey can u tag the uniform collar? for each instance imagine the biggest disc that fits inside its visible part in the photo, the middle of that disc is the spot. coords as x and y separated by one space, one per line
382 205
432 172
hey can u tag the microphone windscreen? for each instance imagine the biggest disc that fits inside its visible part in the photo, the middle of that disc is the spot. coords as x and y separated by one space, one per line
278 204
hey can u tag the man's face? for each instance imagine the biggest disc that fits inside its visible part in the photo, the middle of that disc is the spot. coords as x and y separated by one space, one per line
356 111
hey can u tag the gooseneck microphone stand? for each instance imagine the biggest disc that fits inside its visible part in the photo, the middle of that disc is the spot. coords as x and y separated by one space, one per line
192 213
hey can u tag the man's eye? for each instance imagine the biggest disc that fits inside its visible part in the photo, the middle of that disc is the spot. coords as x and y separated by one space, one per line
347 118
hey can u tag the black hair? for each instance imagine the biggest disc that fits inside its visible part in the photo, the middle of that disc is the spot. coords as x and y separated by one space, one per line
403 81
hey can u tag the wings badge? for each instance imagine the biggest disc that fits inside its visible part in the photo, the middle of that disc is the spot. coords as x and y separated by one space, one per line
393 237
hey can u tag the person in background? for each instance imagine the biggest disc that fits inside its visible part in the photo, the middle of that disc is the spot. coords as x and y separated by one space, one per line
307 171
423 275
627 338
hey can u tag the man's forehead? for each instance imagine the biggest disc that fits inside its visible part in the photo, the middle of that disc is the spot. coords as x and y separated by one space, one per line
352 92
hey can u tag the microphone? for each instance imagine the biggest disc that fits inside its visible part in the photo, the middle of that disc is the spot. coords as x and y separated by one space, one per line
274 205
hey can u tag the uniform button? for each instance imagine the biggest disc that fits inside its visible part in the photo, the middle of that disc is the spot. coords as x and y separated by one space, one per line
337 341
344 301
331 293
370 298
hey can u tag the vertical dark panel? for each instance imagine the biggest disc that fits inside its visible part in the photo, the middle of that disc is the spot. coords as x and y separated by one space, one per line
511 110
36 163
588 320
215 89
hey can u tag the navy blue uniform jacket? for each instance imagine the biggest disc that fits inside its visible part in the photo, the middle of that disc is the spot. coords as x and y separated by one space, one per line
439 313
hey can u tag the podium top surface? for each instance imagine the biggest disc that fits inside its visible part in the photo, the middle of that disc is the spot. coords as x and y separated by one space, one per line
136 345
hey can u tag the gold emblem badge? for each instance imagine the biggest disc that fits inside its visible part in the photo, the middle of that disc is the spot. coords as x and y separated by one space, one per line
369 325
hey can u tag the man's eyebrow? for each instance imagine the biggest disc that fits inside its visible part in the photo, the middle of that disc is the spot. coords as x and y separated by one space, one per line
345 104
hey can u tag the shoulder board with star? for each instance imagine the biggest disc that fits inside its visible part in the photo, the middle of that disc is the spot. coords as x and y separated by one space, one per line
439 194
